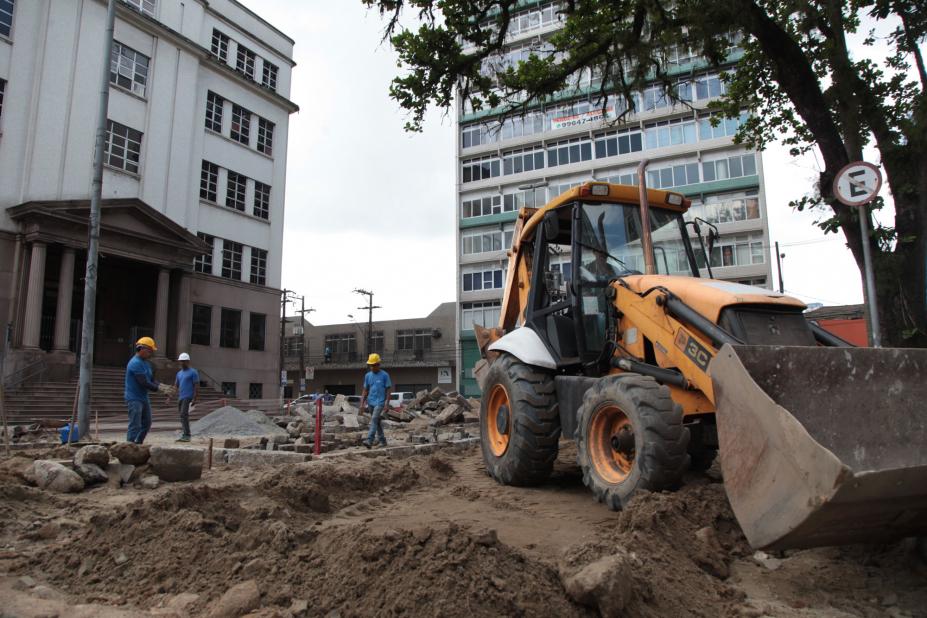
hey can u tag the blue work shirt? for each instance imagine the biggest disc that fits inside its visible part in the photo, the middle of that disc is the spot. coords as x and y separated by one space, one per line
376 385
134 390
186 383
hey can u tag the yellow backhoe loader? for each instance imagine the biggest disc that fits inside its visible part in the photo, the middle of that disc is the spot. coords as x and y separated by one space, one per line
609 336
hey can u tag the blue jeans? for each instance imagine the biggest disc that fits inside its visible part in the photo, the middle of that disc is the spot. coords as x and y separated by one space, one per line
376 425
139 421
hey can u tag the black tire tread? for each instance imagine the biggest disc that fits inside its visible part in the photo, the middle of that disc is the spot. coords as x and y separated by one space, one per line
662 454
535 436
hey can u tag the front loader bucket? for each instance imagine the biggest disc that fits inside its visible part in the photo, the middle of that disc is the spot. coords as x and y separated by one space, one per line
823 446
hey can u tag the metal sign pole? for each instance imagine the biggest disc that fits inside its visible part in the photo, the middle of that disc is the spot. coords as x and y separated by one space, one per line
93 242
857 184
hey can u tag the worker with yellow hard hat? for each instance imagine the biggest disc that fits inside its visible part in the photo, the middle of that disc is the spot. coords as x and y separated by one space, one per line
377 387
138 383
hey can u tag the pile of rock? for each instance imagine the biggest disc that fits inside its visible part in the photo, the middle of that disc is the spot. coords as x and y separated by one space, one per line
443 408
119 465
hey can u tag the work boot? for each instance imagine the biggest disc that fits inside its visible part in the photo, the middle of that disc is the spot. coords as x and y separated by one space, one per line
382 445
366 444
183 439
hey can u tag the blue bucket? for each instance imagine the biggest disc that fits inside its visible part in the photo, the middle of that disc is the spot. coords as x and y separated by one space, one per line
65 433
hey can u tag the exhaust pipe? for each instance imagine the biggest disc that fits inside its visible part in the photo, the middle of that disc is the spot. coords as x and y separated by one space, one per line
646 239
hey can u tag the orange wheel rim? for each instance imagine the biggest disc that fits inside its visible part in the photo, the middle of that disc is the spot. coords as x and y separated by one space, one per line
498 420
611 444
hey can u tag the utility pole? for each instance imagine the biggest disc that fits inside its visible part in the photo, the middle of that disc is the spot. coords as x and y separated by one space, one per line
302 352
93 241
283 301
370 307
779 257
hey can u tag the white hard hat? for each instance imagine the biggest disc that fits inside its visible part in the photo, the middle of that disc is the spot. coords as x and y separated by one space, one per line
183 356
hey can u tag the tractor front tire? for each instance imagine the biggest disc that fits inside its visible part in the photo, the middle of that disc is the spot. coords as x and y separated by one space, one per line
630 437
519 422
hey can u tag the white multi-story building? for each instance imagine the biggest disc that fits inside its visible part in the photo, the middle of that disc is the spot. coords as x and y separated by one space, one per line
528 160
193 185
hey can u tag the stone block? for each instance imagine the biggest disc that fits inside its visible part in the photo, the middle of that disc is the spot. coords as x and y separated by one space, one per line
129 453
173 463
436 394
237 601
265 458
119 474
91 454
350 421
451 414
149 481
231 443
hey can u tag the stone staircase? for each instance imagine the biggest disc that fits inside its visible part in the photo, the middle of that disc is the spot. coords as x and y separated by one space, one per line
52 402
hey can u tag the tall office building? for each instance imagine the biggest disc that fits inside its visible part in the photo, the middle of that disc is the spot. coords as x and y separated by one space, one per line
193 185
528 160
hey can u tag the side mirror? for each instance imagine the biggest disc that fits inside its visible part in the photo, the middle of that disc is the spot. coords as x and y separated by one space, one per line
551 227
712 239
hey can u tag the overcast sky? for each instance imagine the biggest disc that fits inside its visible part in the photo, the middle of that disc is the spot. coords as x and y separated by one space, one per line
370 206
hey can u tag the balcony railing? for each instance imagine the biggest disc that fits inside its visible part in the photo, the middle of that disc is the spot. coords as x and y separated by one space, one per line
357 359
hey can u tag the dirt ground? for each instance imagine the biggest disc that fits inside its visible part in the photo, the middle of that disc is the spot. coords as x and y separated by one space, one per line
429 535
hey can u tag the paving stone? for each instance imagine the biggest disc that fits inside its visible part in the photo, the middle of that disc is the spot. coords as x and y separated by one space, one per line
174 463
91 454
243 457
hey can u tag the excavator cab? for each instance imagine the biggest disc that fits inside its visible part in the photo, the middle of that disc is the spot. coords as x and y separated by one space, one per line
609 336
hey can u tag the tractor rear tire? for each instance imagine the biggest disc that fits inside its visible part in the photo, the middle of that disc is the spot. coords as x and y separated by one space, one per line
630 437
519 422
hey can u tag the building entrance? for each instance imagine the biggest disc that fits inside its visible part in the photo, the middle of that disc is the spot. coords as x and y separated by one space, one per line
125 308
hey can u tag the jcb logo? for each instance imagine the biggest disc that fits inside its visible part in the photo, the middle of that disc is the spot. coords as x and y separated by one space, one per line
697 353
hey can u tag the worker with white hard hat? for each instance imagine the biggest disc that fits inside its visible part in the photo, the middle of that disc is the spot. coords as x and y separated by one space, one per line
187 383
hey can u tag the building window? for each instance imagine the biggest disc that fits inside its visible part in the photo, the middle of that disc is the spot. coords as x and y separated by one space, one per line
6 17
258 266
261 200
265 136
485 314
235 193
220 45
230 389
269 78
123 147
256 330
214 105
532 198
481 168
245 61
482 243
255 390
482 206
231 260
343 347
675 176
669 133
727 127
525 160
203 263
730 167
377 342
708 87
230 328
617 143
209 179
241 124
728 207
202 325
569 151
142 6
128 68
413 339
490 279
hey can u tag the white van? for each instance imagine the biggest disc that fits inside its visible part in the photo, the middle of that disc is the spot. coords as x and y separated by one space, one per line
402 398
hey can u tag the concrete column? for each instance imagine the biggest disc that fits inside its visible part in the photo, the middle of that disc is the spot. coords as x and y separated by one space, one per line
65 293
184 314
161 300
32 317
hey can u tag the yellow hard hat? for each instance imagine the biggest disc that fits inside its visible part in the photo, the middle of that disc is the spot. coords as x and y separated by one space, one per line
373 359
148 342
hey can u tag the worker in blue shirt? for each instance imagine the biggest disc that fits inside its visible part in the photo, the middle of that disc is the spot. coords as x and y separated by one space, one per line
139 382
187 384
377 387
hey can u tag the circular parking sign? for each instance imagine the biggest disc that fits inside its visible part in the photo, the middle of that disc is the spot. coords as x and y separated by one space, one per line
857 183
